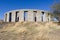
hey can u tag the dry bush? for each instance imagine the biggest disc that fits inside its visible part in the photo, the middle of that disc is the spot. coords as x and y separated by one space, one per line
30 31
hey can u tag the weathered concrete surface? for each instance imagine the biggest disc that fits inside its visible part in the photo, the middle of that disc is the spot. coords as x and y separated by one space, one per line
30 16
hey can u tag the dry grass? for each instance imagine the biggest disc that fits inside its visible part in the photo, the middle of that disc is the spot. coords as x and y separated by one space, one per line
30 31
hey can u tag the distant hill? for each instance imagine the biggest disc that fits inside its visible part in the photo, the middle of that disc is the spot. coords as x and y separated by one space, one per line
30 31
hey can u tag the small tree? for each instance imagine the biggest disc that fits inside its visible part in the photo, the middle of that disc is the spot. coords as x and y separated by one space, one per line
56 11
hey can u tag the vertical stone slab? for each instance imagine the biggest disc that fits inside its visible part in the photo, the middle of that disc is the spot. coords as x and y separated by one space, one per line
13 16
49 16
26 15
39 16
21 15
4 17
7 17
30 16
45 17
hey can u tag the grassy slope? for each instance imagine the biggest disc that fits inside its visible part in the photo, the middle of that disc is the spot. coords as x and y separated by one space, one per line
30 31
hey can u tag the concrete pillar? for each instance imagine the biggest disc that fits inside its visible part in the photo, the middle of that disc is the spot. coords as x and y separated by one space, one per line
45 17
30 16
39 16
7 20
26 15
13 16
4 18
21 15
49 17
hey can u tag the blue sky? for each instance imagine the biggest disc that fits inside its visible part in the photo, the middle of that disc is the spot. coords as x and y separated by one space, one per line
7 5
